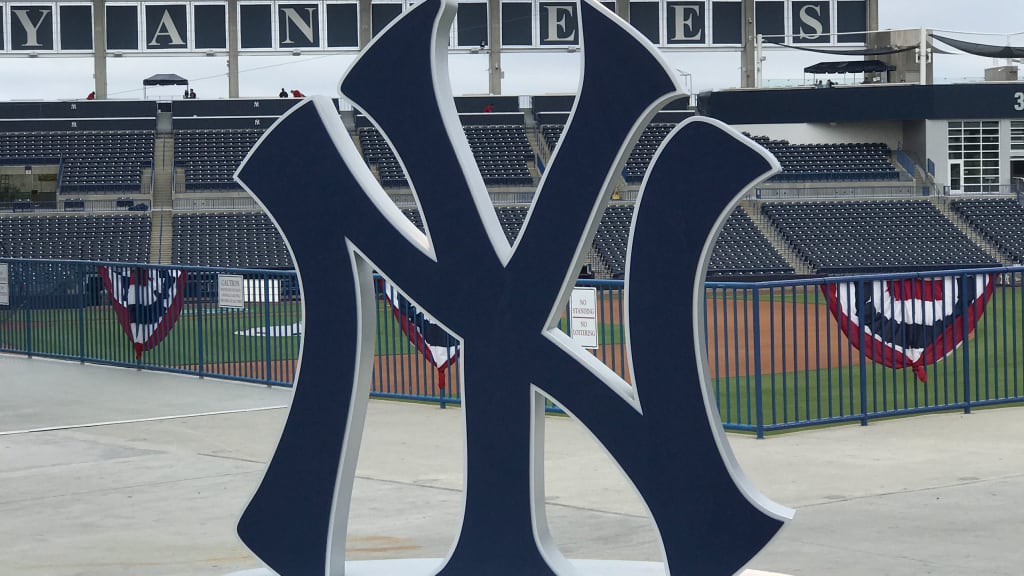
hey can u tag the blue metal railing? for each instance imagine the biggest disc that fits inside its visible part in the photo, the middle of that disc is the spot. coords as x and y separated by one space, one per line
906 162
777 356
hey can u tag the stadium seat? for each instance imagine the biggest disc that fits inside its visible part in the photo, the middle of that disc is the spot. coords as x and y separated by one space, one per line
873 236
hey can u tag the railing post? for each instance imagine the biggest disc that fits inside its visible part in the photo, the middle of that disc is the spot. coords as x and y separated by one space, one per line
266 324
81 313
863 357
199 321
27 295
138 298
965 344
758 396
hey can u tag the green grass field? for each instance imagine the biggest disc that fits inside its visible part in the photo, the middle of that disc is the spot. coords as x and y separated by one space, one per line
988 367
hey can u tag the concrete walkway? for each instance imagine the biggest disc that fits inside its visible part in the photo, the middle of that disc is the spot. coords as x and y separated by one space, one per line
107 471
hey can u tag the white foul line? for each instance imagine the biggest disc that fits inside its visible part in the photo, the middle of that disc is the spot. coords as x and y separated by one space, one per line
137 420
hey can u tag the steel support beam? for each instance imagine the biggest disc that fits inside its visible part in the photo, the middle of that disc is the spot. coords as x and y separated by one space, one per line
365 23
99 48
494 71
748 57
232 48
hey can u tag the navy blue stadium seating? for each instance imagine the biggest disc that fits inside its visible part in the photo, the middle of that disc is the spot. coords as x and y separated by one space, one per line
998 220
510 217
91 161
639 158
551 133
501 153
874 236
377 153
830 162
228 239
740 251
104 237
212 156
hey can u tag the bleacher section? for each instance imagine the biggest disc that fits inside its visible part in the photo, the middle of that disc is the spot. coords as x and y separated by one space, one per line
643 152
105 147
639 159
551 133
511 219
228 239
501 152
378 154
873 236
107 237
830 162
612 237
92 161
741 250
212 156
998 220
414 216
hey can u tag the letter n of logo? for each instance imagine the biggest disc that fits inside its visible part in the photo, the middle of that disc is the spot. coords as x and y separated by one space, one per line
340 225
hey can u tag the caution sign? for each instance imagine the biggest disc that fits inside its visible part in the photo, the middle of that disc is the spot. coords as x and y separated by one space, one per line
230 291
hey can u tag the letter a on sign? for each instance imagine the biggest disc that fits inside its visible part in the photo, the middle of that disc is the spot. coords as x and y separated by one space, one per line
663 429
170 23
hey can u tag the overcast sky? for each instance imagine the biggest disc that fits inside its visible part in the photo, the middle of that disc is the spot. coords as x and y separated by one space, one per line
536 73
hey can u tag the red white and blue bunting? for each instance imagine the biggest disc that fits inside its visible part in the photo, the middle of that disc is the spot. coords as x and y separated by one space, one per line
909 323
147 302
431 340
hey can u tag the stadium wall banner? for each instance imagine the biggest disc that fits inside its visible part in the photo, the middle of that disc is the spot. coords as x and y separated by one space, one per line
333 26
909 323
147 302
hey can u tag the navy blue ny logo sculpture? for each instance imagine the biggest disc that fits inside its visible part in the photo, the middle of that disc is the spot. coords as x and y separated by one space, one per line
340 225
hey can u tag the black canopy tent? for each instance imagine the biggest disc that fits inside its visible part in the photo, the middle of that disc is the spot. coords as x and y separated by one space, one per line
849 67
876 51
986 50
163 80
